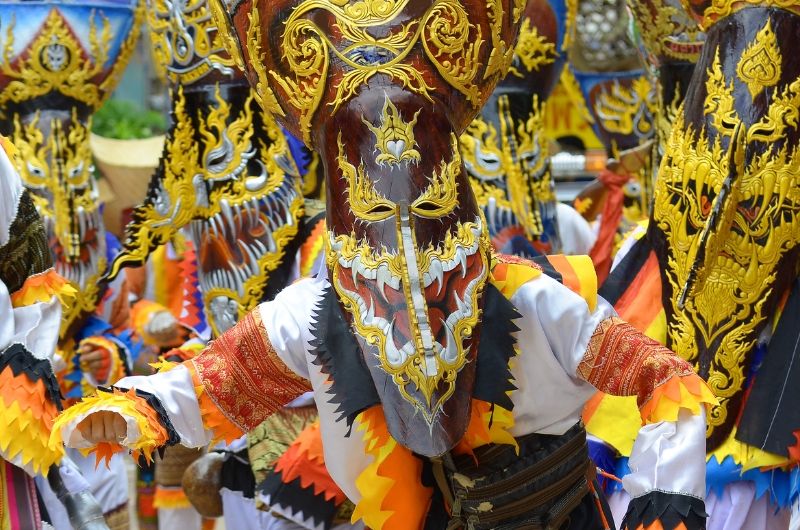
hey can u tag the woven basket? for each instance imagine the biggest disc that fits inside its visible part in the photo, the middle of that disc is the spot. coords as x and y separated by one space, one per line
126 167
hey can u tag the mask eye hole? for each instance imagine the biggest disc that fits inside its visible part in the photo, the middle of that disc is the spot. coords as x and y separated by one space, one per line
427 206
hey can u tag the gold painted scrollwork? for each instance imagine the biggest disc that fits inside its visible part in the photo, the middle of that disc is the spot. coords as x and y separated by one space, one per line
533 50
57 61
626 110
453 44
449 39
186 43
760 64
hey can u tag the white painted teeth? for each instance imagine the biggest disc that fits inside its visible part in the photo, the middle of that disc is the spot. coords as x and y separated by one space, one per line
382 275
394 356
227 214
436 274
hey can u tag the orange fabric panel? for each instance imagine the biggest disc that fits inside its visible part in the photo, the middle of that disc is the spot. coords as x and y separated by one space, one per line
641 302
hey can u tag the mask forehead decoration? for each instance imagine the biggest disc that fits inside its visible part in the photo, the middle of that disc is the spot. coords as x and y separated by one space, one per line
227 174
725 219
383 89
60 62
505 149
668 33
185 44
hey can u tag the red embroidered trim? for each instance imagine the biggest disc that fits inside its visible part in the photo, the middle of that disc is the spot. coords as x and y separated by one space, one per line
516 260
244 376
622 361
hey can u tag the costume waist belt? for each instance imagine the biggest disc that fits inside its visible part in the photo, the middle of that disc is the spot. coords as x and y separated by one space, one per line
499 489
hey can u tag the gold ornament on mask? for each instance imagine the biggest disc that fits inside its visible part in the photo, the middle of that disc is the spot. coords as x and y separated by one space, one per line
409 366
57 170
449 39
56 61
518 157
533 50
760 64
667 30
718 9
439 199
626 110
185 42
394 138
724 251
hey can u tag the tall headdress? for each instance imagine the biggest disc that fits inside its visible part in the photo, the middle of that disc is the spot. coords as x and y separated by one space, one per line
505 149
726 218
227 175
60 60
382 90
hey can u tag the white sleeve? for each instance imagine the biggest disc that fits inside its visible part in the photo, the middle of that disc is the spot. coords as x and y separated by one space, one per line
35 326
564 316
577 236
288 321
175 390
669 457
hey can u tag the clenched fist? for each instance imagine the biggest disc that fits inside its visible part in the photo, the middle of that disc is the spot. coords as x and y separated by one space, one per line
103 426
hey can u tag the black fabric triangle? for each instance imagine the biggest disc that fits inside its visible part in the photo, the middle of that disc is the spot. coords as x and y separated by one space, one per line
775 393
22 361
338 355
294 497
670 509
493 379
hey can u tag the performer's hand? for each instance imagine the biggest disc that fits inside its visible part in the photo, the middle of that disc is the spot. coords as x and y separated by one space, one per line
95 361
103 426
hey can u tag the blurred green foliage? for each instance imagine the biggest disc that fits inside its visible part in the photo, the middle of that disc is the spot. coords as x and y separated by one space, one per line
124 120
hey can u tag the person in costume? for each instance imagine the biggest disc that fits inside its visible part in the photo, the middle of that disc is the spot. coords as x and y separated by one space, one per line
507 153
439 407
60 62
231 181
606 71
719 258
31 298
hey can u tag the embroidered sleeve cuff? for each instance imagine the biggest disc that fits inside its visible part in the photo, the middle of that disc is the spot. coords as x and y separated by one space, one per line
148 428
670 510
622 361
214 420
244 376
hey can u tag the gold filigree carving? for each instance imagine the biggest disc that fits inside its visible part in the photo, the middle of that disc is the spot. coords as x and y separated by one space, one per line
394 138
56 61
667 30
185 41
533 50
366 203
450 40
745 214
626 110
718 9
264 94
760 64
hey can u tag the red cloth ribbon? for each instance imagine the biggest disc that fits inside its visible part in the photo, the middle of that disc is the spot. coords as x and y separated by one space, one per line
609 222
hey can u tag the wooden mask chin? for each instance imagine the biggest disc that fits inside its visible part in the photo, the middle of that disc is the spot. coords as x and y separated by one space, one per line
382 90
